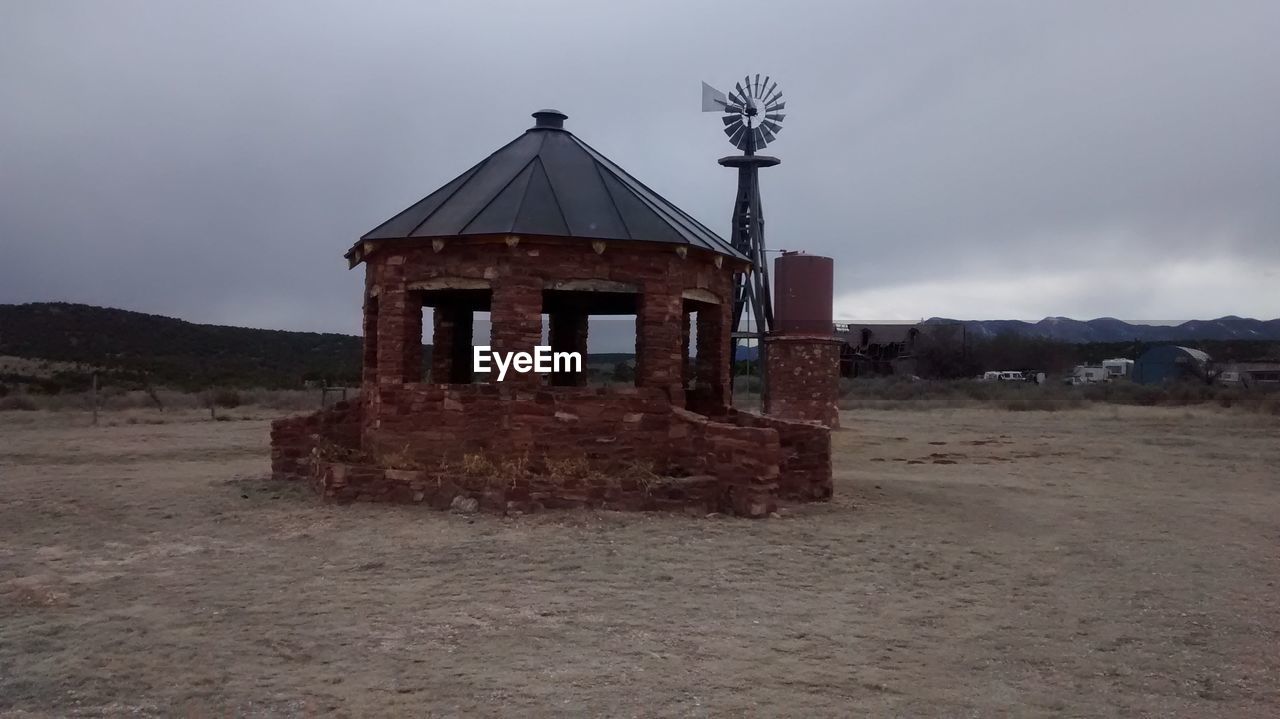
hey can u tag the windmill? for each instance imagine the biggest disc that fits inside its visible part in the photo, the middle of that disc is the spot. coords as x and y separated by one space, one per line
752 119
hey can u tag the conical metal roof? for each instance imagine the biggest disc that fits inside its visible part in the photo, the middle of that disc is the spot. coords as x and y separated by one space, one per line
548 182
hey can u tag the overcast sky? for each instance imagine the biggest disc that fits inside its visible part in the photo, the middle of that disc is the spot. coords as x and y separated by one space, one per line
979 160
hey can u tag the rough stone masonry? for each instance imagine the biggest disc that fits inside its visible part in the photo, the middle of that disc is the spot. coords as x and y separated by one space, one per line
548 232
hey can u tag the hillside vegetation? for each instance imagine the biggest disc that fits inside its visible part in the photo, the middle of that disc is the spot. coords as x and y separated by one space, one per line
133 348
49 348
52 347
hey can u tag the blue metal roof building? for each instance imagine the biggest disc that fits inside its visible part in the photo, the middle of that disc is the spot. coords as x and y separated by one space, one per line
1169 363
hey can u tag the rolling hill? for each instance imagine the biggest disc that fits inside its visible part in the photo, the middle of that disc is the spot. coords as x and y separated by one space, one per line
133 347
57 345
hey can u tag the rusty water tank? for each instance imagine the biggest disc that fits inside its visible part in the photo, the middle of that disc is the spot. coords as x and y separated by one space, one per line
803 294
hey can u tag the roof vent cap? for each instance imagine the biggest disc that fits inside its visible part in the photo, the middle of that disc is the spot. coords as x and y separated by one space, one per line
550 119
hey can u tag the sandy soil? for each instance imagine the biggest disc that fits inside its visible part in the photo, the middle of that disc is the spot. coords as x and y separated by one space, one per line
1099 562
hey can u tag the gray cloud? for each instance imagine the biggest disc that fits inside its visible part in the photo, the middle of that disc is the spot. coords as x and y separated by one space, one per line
986 159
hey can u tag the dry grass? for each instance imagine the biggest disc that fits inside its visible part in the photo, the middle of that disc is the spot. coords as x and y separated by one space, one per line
163 401
893 393
1109 561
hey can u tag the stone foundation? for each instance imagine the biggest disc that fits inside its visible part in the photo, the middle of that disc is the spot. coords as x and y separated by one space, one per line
295 440
341 482
512 449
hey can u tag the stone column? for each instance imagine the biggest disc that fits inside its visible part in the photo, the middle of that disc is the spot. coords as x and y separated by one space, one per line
399 336
516 314
712 372
568 333
658 358
804 374
369 364
451 338
464 323
686 370
441 344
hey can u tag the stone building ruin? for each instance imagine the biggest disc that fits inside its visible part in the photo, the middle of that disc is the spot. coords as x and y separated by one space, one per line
543 234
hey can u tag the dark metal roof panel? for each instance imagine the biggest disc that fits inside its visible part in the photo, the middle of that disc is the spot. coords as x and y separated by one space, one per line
540 212
587 207
694 232
641 221
405 222
477 193
500 214
549 182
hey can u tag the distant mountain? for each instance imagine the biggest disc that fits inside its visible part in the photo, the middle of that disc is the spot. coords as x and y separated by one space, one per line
1109 329
133 347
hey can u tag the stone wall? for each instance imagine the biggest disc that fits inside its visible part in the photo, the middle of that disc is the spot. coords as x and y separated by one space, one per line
804 375
804 466
524 444
804 470
513 449
613 432
343 482
294 439
516 271
622 448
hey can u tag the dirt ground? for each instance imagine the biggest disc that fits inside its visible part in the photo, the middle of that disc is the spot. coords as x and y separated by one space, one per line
1110 561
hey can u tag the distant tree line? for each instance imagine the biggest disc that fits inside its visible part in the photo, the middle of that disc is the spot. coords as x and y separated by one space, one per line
969 357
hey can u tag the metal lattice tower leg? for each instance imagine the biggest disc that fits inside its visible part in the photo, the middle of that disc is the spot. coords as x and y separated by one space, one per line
752 296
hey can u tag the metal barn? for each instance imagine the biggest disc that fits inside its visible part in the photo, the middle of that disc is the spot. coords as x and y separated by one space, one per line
1169 363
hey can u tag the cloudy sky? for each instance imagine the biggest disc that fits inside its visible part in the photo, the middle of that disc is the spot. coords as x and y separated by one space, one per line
213 160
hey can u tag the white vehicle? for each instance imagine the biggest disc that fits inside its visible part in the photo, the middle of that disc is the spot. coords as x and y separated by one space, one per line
1083 374
1003 376
1118 368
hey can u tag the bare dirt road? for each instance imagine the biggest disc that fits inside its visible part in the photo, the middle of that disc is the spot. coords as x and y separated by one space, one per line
1098 562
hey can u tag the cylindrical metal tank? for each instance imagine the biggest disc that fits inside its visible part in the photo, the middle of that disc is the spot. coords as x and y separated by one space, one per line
803 290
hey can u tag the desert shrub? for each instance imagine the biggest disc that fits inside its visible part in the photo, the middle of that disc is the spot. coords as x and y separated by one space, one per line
1123 393
623 373
746 384
477 465
18 402
943 392
905 393
291 399
51 403
1229 396
1043 404
567 467
643 473
1270 405
331 451
225 398
45 385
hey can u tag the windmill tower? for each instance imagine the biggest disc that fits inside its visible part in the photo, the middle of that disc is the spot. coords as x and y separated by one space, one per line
752 119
